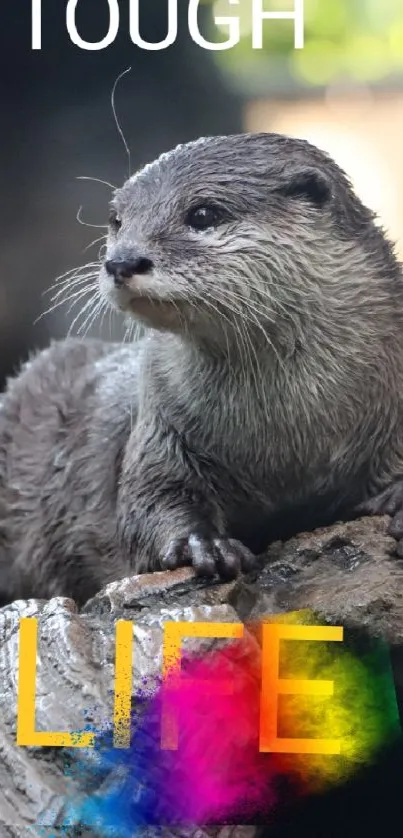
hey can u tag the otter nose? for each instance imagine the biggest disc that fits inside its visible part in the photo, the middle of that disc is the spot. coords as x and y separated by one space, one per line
122 269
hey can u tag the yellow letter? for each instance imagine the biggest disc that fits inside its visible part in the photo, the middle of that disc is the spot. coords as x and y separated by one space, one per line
123 684
26 733
173 633
272 686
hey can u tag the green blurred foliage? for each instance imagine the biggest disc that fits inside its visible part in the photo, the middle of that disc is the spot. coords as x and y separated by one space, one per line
345 40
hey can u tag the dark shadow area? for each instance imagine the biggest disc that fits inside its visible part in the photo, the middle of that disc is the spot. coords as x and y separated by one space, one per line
368 805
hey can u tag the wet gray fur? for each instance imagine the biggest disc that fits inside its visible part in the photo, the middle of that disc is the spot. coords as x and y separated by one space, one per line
265 397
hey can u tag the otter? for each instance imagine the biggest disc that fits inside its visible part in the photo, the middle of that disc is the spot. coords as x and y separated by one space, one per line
265 396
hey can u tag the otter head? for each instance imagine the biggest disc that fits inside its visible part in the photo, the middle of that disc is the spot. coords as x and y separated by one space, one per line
248 229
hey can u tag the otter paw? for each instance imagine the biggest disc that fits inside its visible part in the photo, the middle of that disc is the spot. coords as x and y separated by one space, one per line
226 557
388 502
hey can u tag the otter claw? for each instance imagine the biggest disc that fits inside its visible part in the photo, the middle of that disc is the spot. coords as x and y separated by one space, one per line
388 502
226 557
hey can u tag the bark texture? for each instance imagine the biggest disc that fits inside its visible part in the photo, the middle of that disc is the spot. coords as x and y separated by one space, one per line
346 573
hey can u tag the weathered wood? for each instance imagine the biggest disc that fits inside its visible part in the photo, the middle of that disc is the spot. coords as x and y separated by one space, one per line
345 573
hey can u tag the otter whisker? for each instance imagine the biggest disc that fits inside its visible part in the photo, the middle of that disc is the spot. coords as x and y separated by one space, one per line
99 239
86 223
88 305
243 349
255 314
132 328
227 331
77 297
104 312
211 297
127 334
80 284
255 319
70 281
179 313
244 354
72 271
69 286
273 348
252 350
84 328
113 314
96 180
85 293
117 123
248 348
137 332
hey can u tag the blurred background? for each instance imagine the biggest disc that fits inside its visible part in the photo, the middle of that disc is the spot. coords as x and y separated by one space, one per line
343 91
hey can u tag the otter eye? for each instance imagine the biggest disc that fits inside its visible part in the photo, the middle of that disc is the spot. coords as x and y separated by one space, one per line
203 217
115 222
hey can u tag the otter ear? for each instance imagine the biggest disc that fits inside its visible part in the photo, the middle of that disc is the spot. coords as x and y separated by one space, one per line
309 184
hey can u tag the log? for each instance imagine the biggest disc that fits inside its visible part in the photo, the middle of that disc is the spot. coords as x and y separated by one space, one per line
346 574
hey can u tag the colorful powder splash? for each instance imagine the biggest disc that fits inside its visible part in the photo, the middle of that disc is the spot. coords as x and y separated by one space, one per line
217 775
